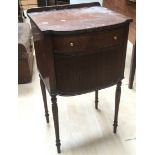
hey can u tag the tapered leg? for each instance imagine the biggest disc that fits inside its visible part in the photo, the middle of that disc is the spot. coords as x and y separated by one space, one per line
117 100
132 67
42 85
56 121
96 99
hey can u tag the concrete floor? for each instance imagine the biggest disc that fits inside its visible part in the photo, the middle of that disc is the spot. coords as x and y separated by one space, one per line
83 130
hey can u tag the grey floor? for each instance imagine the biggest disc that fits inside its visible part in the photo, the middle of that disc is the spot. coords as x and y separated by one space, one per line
83 130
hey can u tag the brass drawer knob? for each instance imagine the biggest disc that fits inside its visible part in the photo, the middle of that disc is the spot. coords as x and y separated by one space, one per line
71 44
115 37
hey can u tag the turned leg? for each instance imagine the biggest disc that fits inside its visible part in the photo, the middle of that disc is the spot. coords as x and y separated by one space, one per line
132 67
96 99
117 100
42 85
56 121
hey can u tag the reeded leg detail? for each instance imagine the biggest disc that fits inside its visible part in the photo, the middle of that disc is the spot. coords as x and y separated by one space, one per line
96 99
42 85
56 121
117 101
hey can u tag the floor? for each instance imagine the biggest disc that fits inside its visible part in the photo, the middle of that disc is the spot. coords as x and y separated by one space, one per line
83 129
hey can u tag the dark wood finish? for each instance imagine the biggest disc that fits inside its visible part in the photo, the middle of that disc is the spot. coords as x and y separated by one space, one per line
56 121
62 23
127 8
79 43
96 99
133 67
44 58
117 101
82 55
43 90
90 71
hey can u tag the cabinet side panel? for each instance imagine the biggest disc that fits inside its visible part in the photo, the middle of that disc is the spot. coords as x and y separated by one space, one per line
42 55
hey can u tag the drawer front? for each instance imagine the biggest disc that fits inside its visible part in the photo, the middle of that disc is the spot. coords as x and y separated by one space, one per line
88 42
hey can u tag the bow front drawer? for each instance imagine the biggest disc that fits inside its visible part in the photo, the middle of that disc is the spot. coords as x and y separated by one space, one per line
88 42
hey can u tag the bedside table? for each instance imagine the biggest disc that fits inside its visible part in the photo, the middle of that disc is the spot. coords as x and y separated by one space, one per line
79 48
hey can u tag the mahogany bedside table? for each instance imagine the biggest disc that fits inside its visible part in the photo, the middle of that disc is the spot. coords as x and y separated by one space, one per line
79 48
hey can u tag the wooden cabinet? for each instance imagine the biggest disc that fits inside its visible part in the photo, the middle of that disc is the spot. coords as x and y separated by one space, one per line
79 48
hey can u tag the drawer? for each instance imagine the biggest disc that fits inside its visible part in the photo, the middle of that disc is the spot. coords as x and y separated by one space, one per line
88 42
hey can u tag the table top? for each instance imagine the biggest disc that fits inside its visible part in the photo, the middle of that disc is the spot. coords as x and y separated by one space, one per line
75 17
